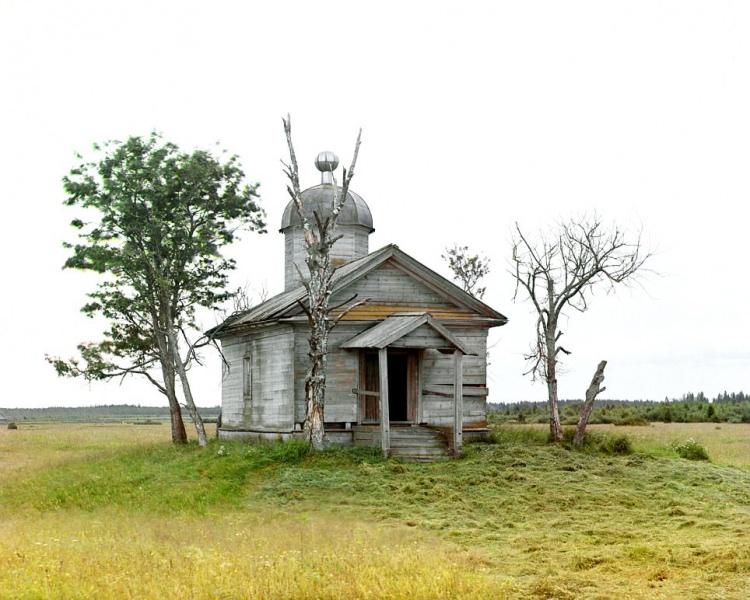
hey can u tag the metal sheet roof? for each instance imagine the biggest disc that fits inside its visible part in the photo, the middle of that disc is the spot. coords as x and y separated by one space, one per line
319 199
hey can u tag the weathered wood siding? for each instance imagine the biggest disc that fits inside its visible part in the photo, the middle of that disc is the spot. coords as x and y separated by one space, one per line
436 374
270 404
342 376
388 289
422 337
354 244
437 370
280 361
388 283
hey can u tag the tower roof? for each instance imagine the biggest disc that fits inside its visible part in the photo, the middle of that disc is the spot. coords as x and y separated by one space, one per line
319 199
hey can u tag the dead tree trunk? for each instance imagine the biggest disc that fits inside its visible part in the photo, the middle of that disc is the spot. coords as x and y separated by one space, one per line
315 379
588 405
319 285
559 272
555 426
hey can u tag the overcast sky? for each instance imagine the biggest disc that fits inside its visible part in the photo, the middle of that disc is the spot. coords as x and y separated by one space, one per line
475 115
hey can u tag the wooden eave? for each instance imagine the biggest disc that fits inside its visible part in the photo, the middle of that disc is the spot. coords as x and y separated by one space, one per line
282 306
396 327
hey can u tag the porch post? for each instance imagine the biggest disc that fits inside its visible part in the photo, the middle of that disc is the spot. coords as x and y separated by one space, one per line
458 402
385 423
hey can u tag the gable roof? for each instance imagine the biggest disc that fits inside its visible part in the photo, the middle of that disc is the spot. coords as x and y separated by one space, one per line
397 326
282 304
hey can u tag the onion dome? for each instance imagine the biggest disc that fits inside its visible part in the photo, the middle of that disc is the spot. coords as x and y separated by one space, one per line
319 199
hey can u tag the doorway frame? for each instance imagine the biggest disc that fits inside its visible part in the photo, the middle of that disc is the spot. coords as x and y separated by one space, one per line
413 385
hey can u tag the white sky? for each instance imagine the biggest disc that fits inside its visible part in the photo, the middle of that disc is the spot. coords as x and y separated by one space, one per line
475 115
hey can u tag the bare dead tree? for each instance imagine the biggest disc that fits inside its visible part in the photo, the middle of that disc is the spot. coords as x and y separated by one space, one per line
245 297
241 300
592 392
560 271
319 239
468 269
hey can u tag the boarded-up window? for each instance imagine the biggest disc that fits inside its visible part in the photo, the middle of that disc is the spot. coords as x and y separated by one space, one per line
247 377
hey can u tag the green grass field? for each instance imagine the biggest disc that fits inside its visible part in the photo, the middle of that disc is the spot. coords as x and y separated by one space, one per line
115 511
727 443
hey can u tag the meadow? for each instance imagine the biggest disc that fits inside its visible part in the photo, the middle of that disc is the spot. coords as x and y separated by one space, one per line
115 511
727 443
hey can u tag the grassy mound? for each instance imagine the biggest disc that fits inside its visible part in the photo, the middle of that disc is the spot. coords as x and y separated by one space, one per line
160 478
514 518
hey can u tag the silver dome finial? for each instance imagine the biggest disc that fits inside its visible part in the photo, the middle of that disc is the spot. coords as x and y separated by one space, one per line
326 163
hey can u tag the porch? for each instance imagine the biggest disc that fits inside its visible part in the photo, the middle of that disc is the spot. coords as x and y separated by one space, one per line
389 396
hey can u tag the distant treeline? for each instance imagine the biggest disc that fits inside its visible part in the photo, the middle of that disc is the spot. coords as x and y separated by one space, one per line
98 414
690 408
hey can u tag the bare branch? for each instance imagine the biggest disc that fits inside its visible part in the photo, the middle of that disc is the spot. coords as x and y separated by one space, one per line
318 284
305 310
560 271
337 306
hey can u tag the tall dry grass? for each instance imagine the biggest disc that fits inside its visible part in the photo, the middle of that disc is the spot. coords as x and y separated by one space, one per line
122 515
113 554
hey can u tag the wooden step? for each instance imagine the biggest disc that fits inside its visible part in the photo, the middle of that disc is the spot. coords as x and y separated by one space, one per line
417 436
415 433
417 450
419 444
401 432
409 443
421 454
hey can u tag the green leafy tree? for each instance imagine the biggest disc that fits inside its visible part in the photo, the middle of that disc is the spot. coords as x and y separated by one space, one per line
153 222
468 269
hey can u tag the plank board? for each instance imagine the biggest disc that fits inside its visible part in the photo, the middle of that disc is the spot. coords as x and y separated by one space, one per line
265 362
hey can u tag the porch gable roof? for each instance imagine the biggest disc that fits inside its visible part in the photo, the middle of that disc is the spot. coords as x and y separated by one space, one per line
397 326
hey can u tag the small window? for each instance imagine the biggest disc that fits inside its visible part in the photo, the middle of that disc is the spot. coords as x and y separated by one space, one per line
247 377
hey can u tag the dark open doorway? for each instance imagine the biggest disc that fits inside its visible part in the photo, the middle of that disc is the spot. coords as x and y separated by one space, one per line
398 368
402 386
